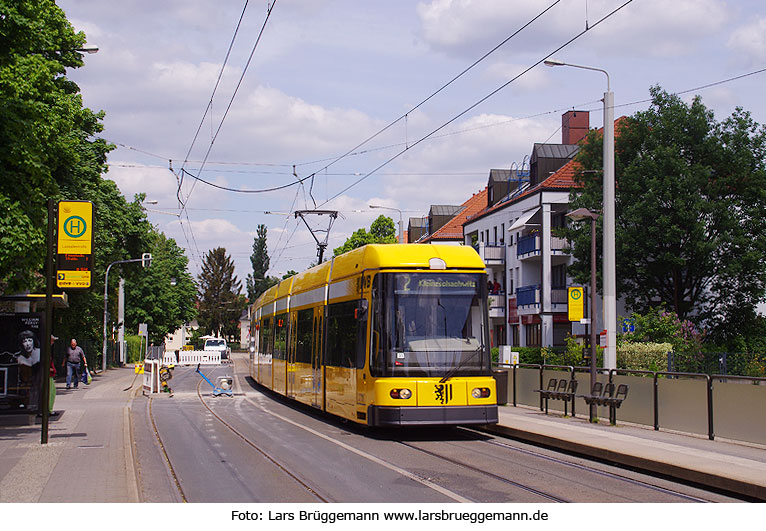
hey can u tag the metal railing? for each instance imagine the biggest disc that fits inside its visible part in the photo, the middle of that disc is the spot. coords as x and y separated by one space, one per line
527 295
494 252
528 244
668 379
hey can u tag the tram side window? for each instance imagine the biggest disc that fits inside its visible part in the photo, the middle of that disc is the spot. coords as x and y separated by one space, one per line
280 337
304 336
342 334
266 337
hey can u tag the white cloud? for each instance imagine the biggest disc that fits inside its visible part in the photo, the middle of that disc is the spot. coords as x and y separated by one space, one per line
749 41
533 80
659 27
131 178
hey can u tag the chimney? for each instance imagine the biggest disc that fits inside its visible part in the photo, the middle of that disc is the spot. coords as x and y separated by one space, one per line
574 126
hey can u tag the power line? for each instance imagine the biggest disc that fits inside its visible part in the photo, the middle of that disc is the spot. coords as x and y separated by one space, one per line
231 101
215 88
482 100
440 89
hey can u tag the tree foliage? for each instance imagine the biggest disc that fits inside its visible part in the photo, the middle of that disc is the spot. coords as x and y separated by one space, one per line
258 281
163 295
382 230
690 209
47 147
220 300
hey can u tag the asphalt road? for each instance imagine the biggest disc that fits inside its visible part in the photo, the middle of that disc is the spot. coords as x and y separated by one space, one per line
259 448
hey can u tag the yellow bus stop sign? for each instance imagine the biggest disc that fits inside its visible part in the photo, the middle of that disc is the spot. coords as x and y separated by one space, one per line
576 303
75 231
74 245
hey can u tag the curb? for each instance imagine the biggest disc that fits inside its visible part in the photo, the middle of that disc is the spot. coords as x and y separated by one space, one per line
687 475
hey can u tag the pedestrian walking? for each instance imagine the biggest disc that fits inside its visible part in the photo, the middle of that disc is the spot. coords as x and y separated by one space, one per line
74 355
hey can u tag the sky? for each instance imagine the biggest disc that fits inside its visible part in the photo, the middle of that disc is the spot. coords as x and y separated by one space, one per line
326 76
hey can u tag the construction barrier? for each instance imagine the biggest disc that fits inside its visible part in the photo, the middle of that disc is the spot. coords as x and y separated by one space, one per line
152 376
199 357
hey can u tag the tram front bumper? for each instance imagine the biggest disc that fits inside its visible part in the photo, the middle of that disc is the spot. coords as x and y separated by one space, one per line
412 416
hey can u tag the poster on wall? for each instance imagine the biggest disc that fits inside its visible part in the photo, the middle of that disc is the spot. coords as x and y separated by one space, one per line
20 355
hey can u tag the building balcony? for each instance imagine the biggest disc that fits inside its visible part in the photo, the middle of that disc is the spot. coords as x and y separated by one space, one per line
491 254
496 305
531 246
528 296
528 246
531 297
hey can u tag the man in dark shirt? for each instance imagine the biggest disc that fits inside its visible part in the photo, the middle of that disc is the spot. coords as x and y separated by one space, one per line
72 362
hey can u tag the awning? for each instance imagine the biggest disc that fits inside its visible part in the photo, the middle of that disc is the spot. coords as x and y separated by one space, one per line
523 220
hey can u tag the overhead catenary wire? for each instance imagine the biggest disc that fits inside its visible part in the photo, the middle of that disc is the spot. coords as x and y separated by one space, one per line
215 87
440 89
231 100
432 137
479 102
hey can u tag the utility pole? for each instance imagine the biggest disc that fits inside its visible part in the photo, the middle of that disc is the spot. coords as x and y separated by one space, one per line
145 260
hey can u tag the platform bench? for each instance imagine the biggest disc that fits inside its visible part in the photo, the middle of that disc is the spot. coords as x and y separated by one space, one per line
605 395
562 389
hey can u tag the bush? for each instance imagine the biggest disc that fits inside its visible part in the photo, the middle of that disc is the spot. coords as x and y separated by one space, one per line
134 349
643 356
662 326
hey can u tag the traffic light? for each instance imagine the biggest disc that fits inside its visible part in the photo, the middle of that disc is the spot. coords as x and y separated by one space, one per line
586 355
146 259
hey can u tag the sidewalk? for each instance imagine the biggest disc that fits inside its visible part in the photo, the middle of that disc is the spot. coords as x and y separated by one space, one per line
88 457
734 467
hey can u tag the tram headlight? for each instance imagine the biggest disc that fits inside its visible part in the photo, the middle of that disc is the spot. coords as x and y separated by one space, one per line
480 392
402 394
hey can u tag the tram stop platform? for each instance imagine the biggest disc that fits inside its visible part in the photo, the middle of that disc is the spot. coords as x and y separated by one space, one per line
90 455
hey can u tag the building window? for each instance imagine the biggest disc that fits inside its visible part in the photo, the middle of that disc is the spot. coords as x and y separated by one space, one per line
559 276
502 233
495 240
534 334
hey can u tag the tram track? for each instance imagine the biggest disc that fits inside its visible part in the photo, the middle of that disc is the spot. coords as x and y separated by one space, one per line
266 455
236 421
174 474
516 484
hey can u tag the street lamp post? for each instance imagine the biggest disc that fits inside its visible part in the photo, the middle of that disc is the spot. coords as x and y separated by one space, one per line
401 225
579 215
106 295
609 264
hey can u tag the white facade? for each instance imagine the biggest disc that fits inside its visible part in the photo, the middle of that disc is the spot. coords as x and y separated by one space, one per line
515 240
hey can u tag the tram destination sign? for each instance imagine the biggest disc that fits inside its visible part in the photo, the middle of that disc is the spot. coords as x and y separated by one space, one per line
74 245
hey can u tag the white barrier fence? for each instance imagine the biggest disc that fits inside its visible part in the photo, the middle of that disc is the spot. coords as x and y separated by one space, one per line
152 376
192 357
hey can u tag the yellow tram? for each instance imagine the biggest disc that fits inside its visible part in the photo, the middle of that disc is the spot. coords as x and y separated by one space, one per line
383 335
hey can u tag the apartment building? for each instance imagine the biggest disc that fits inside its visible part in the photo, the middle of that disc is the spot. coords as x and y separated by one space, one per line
514 234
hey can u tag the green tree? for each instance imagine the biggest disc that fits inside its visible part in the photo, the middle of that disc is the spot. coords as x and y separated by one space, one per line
220 302
47 144
258 281
382 230
163 295
691 209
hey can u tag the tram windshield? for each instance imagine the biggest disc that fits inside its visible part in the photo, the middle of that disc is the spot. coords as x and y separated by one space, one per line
430 324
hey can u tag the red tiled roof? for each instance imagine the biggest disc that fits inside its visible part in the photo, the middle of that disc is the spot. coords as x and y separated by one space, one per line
453 229
563 179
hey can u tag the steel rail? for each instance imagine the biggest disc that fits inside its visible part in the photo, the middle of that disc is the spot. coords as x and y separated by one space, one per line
255 447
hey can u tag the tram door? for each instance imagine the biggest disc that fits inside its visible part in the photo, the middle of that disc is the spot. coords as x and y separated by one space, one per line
291 352
317 379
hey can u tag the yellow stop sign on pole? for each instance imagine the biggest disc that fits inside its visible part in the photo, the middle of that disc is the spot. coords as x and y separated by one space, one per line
576 303
75 231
